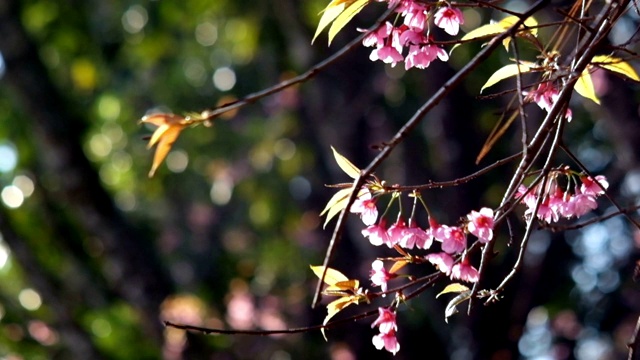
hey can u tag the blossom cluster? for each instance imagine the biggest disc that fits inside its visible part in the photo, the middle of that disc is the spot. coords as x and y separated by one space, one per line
389 40
408 235
546 95
386 323
557 203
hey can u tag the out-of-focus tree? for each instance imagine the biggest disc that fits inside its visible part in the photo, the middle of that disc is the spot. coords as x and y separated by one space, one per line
94 254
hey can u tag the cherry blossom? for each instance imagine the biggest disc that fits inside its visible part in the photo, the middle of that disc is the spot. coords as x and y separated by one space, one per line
590 186
415 236
453 239
442 261
396 232
464 271
388 341
386 321
449 19
546 95
379 275
377 234
365 205
481 224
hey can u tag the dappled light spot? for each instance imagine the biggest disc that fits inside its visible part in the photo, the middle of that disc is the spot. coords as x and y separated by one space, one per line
3 67
109 107
25 184
30 299
224 79
241 310
42 333
101 327
8 157
206 33
177 161
100 145
4 257
84 75
134 19
284 149
125 200
300 188
12 197
260 212
221 191
194 71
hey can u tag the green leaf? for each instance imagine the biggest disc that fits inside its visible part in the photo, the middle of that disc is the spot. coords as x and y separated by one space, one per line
584 87
346 16
346 165
505 72
616 65
455 287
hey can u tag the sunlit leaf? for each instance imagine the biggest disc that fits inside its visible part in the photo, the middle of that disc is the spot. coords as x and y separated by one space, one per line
331 277
511 20
497 28
335 307
346 16
346 165
505 72
451 306
336 204
330 13
616 65
584 87
398 265
455 287
169 128
350 285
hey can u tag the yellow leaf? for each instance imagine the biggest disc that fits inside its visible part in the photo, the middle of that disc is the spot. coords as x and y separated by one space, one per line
616 65
346 16
584 87
350 285
346 165
337 203
451 306
330 13
497 28
455 287
169 128
511 20
505 72
397 266
335 307
331 277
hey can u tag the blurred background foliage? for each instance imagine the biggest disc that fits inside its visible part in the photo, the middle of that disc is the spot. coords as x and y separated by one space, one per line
92 258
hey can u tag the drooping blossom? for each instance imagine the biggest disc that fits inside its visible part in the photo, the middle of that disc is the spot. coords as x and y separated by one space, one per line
391 51
453 238
377 234
415 236
388 341
379 275
415 16
464 271
442 261
386 321
590 186
449 19
582 203
481 224
546 95
396 232
377 37
365 205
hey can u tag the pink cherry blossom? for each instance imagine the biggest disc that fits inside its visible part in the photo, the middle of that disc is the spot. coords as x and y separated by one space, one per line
449 19
377 234
386 321
481 224
415 236
464 271
583 203
366 207
454 241
379 275
546 95
387 341
396 232
415 16
590 186
442 261
377 37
